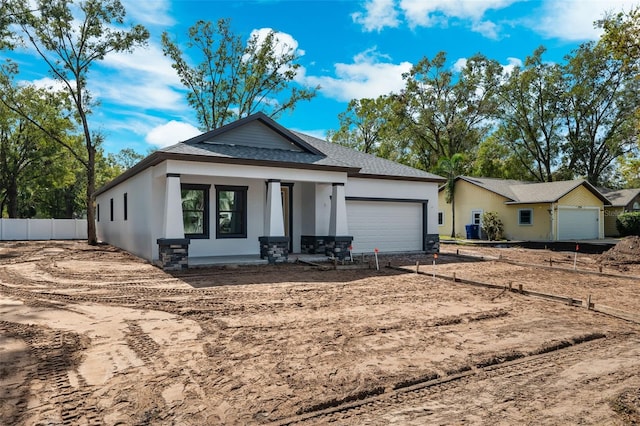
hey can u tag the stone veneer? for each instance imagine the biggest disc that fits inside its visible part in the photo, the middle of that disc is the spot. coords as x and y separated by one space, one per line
173 253
338 246
274 249
312 244
432 243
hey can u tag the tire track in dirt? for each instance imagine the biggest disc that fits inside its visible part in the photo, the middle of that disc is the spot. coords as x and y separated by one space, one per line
52 356
369 407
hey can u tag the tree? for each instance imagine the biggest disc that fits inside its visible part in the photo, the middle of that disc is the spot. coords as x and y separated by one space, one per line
25 151
496 159
366 126
447 114
71 38
531 121
600 112
233 81
451 167
622 36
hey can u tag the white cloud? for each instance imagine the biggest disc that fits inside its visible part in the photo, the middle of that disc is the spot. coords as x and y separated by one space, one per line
511 64
573 19
147 12
460 64
378 14
487 28
316 133
284 43
367 77
46 83
171 133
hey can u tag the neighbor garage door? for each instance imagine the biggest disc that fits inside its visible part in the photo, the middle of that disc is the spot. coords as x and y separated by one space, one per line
387 226
578 224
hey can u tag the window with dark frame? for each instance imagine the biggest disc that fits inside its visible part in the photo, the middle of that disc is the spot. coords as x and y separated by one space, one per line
231 211
440 218
125 206
98 212
111 209
525 217
195 210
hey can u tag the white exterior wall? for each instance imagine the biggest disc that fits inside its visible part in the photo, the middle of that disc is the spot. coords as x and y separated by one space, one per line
381 188
134 234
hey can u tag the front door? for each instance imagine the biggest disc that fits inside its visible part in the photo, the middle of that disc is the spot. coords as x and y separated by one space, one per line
286 193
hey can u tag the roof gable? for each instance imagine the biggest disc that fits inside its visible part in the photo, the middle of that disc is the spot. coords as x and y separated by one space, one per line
621 197
255 131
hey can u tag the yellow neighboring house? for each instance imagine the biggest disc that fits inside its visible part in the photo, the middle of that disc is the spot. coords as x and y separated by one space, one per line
622 200
550 211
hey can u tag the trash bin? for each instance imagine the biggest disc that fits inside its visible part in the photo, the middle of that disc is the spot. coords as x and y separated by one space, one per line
473 232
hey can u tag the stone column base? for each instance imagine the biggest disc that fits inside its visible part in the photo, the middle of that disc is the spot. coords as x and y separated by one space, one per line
173 253
338 246
432 243
274 249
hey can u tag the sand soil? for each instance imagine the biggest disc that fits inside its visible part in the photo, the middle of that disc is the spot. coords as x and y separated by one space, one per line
92 335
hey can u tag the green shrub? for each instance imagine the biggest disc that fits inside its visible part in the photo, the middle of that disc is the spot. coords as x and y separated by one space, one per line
492 226
628 224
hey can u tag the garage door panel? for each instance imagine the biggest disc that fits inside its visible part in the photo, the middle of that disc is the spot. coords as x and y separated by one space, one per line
578 224
387 226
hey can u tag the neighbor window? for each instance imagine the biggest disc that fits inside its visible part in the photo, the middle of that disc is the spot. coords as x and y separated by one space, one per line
231 211
440 218
195 210
98 212
111 209
125 206
525 217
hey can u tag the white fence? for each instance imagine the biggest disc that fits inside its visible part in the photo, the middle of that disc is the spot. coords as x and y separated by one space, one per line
43 229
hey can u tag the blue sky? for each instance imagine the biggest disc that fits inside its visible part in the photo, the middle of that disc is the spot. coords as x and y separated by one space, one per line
352 49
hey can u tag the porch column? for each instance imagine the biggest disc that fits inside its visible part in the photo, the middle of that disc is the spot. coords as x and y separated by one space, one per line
274 245
338 218
173 226
173 247
338 241
274 226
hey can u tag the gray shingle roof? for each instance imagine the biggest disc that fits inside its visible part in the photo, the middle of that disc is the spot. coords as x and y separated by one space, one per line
368 164
521 192
620 197
316 152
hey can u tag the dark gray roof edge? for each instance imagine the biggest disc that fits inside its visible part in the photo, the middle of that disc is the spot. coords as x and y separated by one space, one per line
159 156
394 177
262 117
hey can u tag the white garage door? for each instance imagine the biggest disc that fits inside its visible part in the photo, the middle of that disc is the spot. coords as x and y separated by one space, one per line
387 226
578 224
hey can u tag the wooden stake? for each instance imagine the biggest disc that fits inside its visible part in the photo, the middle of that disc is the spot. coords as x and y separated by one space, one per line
520 288
417 266
589 302
510 286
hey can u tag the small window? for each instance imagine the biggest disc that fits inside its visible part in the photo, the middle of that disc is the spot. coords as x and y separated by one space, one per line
525 217
125 206
476 217
231 211
98 212
440 218
195 210
111 209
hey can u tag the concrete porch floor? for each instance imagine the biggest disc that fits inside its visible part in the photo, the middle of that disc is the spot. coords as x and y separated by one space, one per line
249 259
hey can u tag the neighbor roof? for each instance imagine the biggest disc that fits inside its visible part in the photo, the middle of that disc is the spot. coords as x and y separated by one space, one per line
620 197
306 152
521 192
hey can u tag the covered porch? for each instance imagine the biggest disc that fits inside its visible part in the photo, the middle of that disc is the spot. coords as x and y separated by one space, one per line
248 214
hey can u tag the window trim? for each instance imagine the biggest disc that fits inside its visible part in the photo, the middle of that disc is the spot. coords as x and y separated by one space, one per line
520 223
206 213
243 190
440 218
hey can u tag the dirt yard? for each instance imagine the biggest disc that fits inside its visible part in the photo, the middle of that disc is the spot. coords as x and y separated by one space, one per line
92 335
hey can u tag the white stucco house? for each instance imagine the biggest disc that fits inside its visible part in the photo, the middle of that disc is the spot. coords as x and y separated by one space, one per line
254 187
